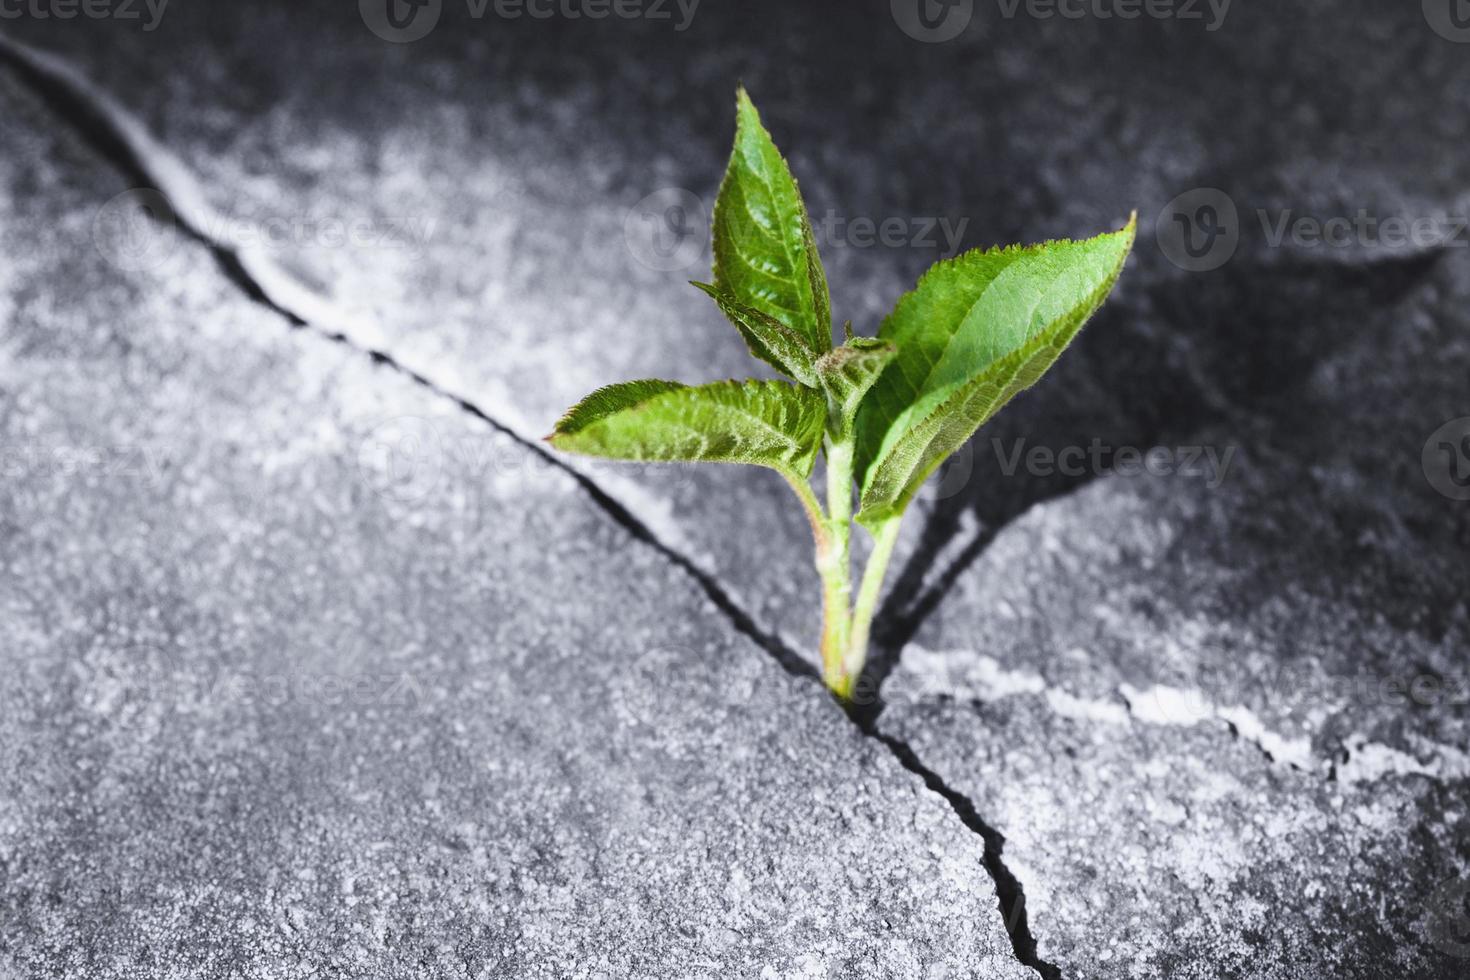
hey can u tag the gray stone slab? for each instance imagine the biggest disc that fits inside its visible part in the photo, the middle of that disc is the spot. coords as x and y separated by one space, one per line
1310 569
498 172
275 706
1178 852
1224 724
1326 555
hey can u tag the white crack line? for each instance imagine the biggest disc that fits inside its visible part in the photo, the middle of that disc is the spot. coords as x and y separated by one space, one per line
970 676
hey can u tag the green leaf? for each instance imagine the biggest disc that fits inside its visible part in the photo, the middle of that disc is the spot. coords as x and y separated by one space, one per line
847 373
765 250
768 338
764 423
977 331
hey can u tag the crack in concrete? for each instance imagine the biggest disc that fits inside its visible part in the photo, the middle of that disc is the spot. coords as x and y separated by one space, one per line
984 680
128 143
1007 886
124 140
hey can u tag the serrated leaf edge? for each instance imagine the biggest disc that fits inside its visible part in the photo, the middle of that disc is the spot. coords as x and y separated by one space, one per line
869 516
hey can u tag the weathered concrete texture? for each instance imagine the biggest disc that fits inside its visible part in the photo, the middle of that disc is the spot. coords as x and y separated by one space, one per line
1151 852
1151 616
270 709
1308 570
1225 728
496 167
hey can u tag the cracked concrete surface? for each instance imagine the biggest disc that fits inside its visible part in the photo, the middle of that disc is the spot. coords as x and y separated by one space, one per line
1168 707
1224 731
272 712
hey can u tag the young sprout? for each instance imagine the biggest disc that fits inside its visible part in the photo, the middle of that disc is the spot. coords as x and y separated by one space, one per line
885 411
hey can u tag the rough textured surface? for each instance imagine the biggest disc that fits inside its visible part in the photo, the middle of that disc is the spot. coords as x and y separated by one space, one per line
1158 852
273 709
1220 724
1224 728
494 150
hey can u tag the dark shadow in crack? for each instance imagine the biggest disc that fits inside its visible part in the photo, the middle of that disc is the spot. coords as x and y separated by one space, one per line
71 99
1136 391
1008 890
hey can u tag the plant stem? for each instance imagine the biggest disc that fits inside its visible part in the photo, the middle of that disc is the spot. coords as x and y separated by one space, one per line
810 505
834 564
885 536
845 627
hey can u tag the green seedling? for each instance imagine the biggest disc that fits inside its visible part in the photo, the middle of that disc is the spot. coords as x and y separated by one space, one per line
886 411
